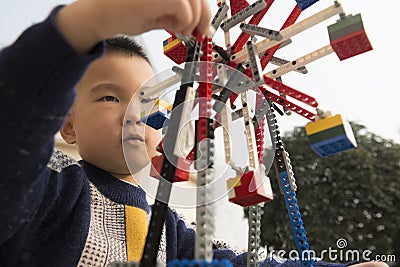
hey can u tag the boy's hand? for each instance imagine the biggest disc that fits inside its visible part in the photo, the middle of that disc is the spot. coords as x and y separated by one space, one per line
86 22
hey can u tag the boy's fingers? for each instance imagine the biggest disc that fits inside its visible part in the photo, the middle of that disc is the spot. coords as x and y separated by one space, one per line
190 16
196 9
178 15
205 18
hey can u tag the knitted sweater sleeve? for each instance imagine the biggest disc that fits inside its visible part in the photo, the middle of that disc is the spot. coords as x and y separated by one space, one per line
37 78
181 244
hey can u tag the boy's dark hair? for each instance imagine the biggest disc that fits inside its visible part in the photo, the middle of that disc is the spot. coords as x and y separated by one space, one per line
126 46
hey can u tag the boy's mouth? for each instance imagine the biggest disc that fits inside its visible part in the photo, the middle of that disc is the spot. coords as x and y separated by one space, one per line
134 139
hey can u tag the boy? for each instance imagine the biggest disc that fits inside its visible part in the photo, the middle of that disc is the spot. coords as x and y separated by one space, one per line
57 212
49 212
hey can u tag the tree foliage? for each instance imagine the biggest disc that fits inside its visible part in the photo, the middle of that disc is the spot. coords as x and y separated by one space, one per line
352 195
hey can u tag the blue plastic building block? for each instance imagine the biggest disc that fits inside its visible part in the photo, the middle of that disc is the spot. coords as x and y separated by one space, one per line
332 146
330 135
303 4
156 120
296 222
155 113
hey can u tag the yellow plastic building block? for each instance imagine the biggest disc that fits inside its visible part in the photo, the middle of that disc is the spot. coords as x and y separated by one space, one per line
323 124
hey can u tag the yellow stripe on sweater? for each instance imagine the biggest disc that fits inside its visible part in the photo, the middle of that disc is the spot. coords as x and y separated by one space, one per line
136 232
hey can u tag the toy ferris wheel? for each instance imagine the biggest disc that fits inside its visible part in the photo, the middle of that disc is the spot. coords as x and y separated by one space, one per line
227 83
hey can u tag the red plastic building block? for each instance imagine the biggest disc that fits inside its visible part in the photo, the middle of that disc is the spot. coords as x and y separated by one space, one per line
251 189
287 104
255 20
259 132
351 45
294 15
286 90
175 49
348 37
181 172
238 5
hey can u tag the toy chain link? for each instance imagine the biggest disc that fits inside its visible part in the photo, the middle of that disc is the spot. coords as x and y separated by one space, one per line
288 187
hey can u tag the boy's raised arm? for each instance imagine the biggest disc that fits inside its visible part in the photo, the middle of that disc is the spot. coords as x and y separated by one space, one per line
86 22
37 78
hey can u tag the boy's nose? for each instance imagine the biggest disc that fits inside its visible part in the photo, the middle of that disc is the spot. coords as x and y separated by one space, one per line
132 116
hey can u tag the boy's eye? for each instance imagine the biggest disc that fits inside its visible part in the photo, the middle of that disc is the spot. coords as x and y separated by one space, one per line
109 99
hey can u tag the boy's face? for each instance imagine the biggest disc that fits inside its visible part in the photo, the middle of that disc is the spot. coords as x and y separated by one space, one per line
98 120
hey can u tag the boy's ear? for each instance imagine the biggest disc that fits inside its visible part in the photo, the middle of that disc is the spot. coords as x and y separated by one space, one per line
67 131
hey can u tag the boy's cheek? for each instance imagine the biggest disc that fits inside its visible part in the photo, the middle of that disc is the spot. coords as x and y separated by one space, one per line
153 141
153 135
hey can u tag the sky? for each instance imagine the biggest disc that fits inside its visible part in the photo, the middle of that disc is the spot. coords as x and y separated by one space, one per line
362 89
